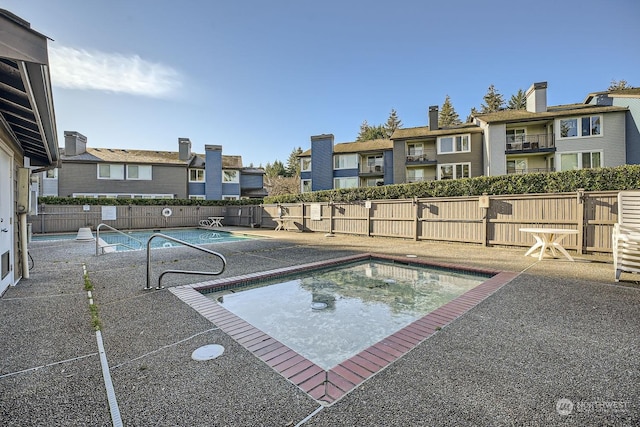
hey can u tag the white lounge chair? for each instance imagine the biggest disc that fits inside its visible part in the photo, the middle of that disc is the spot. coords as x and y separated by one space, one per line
625 238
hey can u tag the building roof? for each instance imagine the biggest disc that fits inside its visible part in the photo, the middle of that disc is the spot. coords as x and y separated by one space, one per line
622 93
424 131
26 103
551 113
118 155
358 147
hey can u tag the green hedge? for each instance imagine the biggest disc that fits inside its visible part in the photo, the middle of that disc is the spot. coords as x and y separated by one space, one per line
602 179
48 200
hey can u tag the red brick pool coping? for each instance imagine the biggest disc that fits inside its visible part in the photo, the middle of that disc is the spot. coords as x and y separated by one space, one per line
329 386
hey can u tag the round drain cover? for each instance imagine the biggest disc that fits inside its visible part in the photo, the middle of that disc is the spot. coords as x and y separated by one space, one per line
318 305
207 352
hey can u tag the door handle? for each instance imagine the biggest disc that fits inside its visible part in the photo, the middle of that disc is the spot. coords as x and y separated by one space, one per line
4 230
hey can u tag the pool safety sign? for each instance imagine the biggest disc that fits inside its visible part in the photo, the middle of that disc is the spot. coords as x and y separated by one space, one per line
109 213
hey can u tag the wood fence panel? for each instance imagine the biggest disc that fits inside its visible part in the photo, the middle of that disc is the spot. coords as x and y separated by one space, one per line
458 219
392 218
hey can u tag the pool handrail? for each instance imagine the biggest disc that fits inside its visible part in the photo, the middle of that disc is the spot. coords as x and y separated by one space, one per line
100 249
173 239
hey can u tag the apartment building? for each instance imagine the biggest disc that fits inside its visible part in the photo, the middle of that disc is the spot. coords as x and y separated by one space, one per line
27 137
129 173
345 165
545 138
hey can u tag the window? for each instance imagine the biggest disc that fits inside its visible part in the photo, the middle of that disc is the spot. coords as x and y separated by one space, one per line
230 176
197 197
51 174
139 172
415 175
515 136
580 126
454 171
196 175
415 149
374 182
345 183
227 197
305 185
345 161
454 144
305 164
517 166
584 160
108 171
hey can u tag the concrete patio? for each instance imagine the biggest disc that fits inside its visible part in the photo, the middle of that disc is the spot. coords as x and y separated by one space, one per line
558 345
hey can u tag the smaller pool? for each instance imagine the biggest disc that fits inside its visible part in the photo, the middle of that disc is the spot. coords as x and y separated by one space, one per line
330 315
195 236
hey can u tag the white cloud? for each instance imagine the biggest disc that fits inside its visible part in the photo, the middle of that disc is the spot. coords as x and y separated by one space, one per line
112 72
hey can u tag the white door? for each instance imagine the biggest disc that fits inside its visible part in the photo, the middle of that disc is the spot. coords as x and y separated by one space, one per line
6 226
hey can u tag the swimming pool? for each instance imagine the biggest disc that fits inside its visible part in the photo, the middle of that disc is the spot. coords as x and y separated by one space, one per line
196 236
327 381
331 315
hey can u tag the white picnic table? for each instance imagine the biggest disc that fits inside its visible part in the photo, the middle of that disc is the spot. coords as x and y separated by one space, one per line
549 238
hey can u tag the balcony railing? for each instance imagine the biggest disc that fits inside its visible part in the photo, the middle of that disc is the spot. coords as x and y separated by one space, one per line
419 158
530 170
530 143
420 178
372 169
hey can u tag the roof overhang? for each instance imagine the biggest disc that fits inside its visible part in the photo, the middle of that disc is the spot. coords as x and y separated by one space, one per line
26 100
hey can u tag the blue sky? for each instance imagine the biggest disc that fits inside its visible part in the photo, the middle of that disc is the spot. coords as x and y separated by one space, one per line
261 77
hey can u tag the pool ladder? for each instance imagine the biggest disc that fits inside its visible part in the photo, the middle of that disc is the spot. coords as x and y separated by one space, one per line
100 249
201 273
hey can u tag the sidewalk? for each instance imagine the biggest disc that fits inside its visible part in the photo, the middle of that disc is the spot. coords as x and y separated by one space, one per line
559 330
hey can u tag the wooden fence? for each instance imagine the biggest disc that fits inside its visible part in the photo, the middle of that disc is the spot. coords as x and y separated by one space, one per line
486 220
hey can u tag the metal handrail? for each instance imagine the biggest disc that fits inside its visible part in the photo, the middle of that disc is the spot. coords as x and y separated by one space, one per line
98 247
173 239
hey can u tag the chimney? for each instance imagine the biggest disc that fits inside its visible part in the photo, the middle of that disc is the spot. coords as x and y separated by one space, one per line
433 117
184 148
537 98
75 143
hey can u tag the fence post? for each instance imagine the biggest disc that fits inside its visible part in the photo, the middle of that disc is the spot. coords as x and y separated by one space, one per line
484 202
416 220
581 226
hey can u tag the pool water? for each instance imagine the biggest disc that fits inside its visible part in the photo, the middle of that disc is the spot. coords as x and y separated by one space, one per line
195 236
328 316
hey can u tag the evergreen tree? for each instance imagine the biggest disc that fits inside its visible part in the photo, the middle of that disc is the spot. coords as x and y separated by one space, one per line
367 133
448 116
493 101
471 114
518 101
393 123
293 163
619 85
275 169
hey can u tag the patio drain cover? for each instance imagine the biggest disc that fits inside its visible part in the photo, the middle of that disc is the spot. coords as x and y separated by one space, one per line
207 352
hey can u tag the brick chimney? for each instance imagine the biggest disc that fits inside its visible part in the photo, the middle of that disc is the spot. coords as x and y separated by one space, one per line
184 149
433 117
75 143
537 98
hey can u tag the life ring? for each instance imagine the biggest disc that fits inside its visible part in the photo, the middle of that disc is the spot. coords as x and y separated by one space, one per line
167 245
166 212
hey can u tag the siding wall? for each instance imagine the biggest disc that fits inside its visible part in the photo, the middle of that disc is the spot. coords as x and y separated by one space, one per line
611 142
213 172
322 163
83 178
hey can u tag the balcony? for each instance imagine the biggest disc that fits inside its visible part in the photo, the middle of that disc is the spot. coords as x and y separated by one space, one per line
371 170
420 159
530 143
529 170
